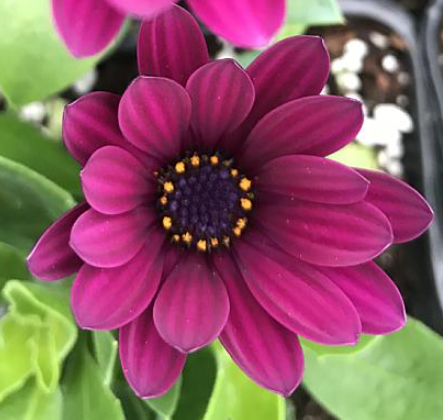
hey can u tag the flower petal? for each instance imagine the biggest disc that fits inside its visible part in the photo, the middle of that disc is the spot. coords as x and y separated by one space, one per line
192 307
222 96
107 298
52 258
312 178
90 123
327 234
154 114
374 295
171 46
86 26
246 23
298 295
150 365
142 8
110 241
408 212
267 352
317 125
114 181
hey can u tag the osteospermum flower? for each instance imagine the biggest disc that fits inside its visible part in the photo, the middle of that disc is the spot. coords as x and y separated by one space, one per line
211 211
88 26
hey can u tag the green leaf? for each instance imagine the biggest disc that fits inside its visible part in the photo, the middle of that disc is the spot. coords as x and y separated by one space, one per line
321 350
36 334
35 63
357 155
166 405
26 145
85 394
29 203
314 12
236 397
106 351
12 264
396 377
31 403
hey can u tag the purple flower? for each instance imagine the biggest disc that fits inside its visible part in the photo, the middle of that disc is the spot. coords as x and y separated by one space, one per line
212 212
88 26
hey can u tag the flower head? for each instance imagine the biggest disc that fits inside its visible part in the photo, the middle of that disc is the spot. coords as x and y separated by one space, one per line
88 26
212 211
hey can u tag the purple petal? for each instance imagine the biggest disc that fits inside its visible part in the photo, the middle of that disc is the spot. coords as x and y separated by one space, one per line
312 178
297 295
317 125
222 96
110 241
108 298
326 234
374 295
246 23
150 365
90 123
86 26
154 114
52 258
114 181
171 46
408 212
267 352
192 307
141 8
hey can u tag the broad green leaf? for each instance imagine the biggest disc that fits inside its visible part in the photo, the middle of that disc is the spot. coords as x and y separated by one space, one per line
314 12
247 57
166 405
31 403
29 203
35 63
236 397
321 350
197 387
38 320
106 351
357 155
396 377
134 408
12 264
85 394
26 145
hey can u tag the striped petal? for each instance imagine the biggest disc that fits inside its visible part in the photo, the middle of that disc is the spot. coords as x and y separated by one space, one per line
141 8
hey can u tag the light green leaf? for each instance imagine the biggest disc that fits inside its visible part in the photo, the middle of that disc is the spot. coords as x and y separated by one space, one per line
26 145
314 12
31 403
236 397
85 394
35 63
106 350
396 377
12 264
247 57
357 155
321 350
166 405
29 203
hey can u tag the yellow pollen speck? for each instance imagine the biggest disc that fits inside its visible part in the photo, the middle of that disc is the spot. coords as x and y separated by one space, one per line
167 222
201 245
245 184
214 160
241 223
168 186
246 204
195 160
176 238
163 200
214 242
237 231
226 240
187 238
234 173
180 167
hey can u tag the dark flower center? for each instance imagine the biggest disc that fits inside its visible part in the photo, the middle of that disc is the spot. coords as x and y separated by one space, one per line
203 201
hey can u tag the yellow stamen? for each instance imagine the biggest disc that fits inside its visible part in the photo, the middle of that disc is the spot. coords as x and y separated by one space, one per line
237 231
214 160
168 187
214 242
187 238
226 241
241 223
176 238
163 200
246 204
245 184
201 245
195 160
234 173
167 222
180 167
